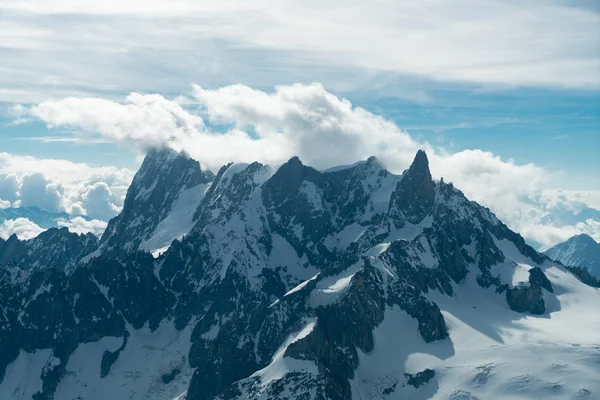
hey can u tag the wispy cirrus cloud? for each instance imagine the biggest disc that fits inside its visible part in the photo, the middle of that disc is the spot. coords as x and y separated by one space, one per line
61 139
65 48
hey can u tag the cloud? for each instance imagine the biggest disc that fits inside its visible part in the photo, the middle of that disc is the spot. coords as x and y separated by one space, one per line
9 186
145 120
304 120
100 47
99 201
81 225
60 139
556 215
22 227
61 185
37 190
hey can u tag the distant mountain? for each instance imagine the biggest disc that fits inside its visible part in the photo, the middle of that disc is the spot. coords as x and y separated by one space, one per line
53 247
579 251
43 218
291 283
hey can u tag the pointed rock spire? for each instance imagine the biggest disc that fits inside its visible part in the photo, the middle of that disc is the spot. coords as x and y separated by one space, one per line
415 193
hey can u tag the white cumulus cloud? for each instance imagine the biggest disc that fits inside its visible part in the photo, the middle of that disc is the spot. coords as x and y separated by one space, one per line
61 185
9 186
81 225
37 190
22 227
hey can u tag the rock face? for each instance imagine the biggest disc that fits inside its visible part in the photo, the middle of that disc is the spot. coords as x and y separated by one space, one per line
580 251
275 289
528 297
415 194
54 247
166 183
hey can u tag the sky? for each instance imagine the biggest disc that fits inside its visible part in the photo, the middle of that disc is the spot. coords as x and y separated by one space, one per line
504 96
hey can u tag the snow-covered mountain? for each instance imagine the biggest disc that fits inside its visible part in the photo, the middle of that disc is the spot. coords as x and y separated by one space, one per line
54 247
42 218
579 251
160 204
292 283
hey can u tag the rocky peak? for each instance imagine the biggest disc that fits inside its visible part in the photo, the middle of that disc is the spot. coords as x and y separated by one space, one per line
163 165
578 251
583 239
164 178
415 193
56 247
291 174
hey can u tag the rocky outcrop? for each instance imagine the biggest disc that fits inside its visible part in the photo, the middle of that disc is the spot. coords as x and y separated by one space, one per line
528 297
415 193
420 378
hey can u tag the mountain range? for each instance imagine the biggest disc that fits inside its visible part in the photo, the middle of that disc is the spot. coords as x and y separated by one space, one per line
580 252
292 283
42 218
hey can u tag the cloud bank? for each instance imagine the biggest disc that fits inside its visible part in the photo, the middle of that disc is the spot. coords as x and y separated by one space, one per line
239 123
22 227
61 185
81 225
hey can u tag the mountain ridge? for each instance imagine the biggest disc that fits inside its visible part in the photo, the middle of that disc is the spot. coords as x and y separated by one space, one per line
578 251
291 284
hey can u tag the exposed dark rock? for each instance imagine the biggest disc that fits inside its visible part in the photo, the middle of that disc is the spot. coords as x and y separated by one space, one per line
54 247
584 276
580 251
110 357
432 326
390 389
420 378
222 278
415 193
538 278
526 298
167 378
155 188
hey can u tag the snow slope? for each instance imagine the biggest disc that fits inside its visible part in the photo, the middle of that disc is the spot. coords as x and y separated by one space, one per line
178 222
138 372
492 352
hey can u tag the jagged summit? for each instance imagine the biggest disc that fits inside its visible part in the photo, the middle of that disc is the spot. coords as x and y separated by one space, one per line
415 193
54 247
583 238
578 251
159 204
